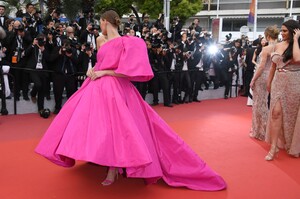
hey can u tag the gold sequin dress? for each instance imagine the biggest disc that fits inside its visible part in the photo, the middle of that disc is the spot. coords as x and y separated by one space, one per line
286 90
260 103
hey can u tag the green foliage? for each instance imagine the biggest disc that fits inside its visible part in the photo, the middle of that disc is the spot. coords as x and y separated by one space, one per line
71 8
152 8
122 7
185 8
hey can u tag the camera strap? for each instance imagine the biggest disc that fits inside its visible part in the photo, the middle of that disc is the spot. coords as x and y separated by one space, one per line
19 41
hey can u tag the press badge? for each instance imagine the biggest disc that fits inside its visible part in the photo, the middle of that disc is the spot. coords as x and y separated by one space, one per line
39 65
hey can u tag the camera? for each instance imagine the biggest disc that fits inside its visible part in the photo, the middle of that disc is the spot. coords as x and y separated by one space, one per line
41 41
45 113
66 49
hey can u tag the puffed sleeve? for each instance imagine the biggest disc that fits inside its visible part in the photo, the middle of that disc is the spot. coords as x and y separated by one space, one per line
134 61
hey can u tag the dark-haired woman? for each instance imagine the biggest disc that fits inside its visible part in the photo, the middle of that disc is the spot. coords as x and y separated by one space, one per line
259 83
283 129
108 123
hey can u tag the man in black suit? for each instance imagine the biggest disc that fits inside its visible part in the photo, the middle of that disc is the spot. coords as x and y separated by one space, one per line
65 70
37 56
3 18
17 42
175 29
87 35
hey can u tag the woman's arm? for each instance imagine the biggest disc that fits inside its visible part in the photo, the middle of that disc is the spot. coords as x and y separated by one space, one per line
260 67
98 74
296 49
271 76
254 57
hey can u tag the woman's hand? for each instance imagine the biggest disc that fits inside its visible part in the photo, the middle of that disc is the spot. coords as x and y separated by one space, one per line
296 34
97 74
252 84
89 72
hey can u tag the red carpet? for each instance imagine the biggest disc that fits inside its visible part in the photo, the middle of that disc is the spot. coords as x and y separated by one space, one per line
216 129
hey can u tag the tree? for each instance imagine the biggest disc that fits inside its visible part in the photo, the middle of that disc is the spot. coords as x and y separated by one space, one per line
181 8
120 6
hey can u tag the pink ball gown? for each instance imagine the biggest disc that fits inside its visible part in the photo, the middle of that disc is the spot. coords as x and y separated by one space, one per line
108 123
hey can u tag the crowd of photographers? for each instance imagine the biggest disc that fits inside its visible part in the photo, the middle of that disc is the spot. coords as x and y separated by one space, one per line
41 51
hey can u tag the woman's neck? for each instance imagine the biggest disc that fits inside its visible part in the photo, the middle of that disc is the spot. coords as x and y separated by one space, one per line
112 33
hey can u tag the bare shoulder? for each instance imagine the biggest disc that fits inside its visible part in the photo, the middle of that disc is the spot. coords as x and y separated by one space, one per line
100 41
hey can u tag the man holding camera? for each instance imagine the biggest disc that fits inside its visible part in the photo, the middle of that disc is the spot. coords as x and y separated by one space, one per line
64 76
175 29
130 25
17 42
87 35
37 56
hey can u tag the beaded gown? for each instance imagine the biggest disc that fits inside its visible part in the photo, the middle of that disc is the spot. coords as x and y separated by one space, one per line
260 109
286 90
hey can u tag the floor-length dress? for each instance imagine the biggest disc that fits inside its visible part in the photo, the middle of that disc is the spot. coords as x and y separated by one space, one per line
260 109
108 123
286 90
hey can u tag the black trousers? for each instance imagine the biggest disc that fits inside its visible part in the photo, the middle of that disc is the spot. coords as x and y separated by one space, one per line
174 81
142 88
248 78
61 81
197 78
39 80
185 84
160 80
21 79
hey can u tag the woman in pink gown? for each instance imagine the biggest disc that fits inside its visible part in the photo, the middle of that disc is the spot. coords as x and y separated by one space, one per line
108 123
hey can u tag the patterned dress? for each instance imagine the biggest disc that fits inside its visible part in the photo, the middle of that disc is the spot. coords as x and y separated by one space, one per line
286 90
260 103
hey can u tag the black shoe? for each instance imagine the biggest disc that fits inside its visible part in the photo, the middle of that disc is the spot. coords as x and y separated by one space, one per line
8 97
56 111
155 103
175 102
226 97
168 105
196 100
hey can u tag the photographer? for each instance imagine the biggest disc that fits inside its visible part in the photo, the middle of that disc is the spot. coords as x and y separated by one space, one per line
130 24
85 19
195 26
4 64
145 22
3 17
64 76
160 79
175 29
37 56
17 41
87 35
86 60
53 16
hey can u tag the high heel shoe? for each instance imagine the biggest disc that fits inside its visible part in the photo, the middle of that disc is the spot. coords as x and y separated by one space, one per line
111 175
272 153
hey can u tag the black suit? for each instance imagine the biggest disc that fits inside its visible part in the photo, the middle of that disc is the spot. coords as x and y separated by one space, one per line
21 76
38 78
64 76
2 22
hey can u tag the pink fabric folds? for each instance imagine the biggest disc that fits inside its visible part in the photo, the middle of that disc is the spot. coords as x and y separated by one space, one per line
107 122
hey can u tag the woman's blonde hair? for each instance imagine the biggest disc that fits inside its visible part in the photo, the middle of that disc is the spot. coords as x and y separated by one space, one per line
272 31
